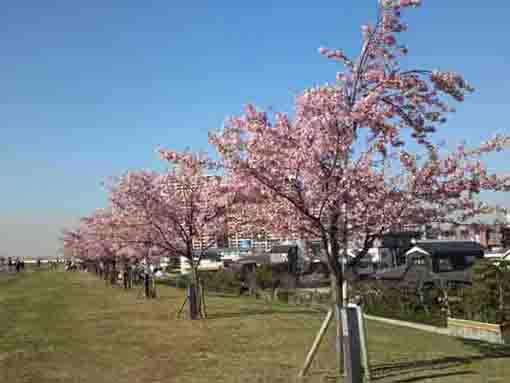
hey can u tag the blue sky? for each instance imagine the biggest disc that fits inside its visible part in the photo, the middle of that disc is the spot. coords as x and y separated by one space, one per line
90 89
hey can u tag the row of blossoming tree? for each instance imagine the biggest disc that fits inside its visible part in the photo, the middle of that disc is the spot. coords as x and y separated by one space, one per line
152 215
356 159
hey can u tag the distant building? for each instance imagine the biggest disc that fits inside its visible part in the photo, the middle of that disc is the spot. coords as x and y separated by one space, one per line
214 259
431 260
490 236
505 254
210 260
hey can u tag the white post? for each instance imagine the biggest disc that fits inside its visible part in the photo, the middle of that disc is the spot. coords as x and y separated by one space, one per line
340 337
363 342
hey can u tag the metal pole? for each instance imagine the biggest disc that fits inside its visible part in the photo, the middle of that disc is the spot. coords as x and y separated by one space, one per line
339 341
362 330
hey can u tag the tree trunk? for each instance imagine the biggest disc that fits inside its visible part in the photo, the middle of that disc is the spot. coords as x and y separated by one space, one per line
153 286
501 296
194 295
146 281
106 271
447 303
113 275
336 296
421 297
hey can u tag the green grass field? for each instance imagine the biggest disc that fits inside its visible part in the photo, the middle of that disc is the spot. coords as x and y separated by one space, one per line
72 327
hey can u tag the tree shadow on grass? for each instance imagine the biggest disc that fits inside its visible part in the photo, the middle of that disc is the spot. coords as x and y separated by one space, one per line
432 376
419 366
397 369
331 378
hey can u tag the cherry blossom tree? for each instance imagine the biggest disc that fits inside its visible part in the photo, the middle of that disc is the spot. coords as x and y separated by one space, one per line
197 211
135 200
104 240
74 244
174 211
360 157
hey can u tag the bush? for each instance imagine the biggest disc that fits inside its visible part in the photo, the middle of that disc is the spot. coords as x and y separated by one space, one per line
399 300
182 280
283 296
305 298
487 300
222 280
433 317
264 276
271 277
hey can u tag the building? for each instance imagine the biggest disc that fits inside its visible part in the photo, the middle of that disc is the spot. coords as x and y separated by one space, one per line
257 241
210 261
432 260
504 255
214 259
490 236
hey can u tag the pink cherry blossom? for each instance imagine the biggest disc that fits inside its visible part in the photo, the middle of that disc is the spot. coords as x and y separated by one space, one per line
358 159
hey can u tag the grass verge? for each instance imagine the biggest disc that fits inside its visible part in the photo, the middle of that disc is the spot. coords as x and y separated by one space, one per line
72 327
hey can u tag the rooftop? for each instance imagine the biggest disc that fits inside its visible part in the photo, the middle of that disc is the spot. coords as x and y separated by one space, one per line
440 247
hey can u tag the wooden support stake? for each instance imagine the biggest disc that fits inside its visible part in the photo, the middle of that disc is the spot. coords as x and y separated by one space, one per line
182 307
316 343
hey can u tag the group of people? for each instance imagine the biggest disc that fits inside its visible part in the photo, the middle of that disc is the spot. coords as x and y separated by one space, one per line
18 264
127 275
70 266
11 264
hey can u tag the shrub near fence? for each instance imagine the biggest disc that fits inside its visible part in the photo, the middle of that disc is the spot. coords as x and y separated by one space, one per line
180 281
307 297
222 281
381 299
391 302
400 300
433 318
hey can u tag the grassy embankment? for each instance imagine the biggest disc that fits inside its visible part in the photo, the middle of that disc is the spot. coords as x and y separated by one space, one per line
71 327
